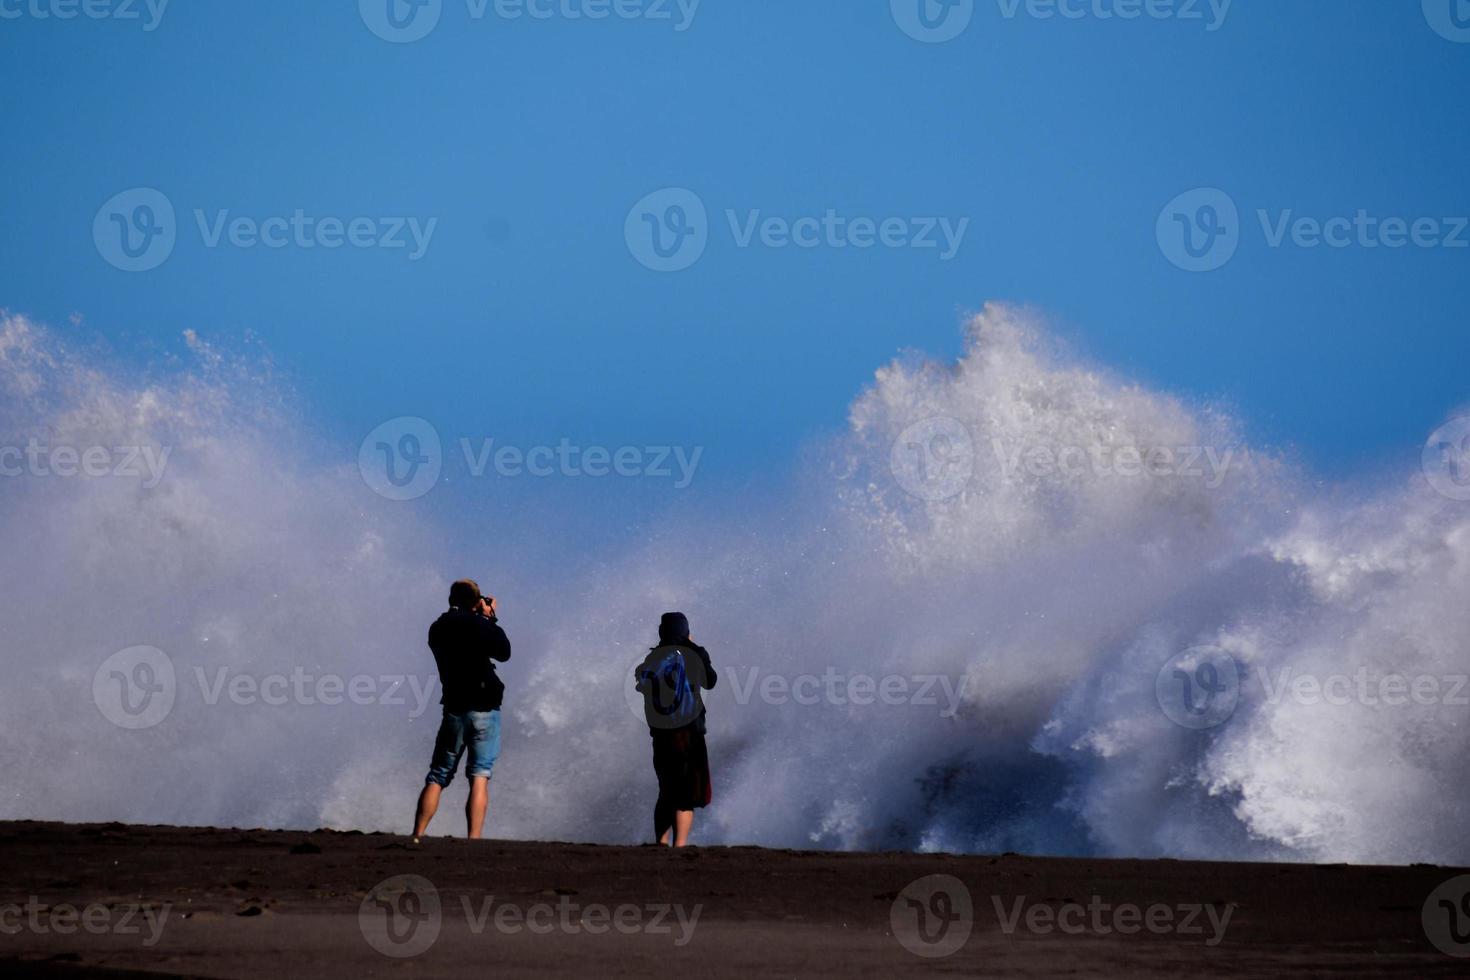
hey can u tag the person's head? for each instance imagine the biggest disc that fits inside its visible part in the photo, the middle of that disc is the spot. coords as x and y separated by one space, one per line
673 628
465 594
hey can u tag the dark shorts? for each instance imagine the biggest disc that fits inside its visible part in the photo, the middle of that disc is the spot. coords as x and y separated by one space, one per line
681 761
472 733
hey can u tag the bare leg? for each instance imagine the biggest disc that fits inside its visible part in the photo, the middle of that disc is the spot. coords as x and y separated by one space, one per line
663 822
428 806
476 805
683 823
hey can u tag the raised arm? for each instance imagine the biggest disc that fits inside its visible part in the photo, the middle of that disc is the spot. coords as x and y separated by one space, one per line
495 640
709 669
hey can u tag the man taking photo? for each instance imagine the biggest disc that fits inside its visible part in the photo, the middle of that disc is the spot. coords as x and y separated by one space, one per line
466 642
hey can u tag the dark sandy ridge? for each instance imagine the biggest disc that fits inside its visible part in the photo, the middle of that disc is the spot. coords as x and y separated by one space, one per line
255 903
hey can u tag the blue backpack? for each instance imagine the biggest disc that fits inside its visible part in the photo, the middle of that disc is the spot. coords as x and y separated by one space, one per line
670 696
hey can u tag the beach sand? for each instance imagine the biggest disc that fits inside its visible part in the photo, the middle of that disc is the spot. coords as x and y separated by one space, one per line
95 901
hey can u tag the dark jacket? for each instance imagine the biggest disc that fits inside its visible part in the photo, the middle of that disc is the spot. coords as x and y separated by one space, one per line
466 646
700 671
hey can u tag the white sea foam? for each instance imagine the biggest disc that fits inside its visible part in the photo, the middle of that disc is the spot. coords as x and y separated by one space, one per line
1039 574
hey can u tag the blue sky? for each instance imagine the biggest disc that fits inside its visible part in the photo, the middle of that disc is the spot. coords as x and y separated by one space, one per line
527 141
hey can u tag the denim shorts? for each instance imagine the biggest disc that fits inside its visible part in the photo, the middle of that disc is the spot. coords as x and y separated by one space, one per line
475 732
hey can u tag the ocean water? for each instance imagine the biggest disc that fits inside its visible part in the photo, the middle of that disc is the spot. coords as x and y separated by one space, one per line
1021 603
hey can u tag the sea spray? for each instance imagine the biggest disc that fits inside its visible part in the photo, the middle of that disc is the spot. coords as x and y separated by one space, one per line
1048 597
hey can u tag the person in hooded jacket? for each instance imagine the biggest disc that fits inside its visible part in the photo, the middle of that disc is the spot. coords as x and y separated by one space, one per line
671 679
